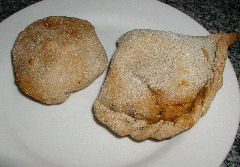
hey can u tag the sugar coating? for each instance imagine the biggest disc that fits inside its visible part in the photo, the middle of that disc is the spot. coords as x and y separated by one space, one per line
56 56
160 83
166 62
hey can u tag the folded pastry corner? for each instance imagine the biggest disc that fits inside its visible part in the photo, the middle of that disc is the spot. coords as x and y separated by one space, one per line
160 83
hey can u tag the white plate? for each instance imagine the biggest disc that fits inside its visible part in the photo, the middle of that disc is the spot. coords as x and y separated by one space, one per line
35 135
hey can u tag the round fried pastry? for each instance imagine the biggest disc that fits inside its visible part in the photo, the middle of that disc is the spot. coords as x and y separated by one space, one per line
56 56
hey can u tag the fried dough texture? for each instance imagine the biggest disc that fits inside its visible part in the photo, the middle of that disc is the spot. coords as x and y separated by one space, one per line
161 83
56 56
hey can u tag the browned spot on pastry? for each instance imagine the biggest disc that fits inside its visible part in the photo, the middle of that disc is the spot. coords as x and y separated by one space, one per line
203 93
30 62
65 44
183 83
205 53
66 26
170 113
51 23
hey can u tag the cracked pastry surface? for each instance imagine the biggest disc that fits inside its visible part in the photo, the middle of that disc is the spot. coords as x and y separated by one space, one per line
160 83
56 56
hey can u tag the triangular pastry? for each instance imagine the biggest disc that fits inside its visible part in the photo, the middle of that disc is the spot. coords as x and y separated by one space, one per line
160 83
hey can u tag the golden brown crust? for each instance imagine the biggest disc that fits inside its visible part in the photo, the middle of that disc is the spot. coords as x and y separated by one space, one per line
132 98
56 56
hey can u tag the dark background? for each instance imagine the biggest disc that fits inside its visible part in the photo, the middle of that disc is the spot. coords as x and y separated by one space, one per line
215 16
